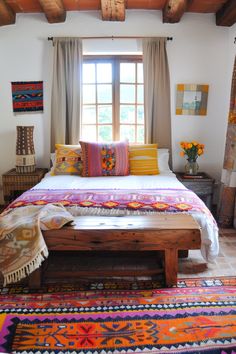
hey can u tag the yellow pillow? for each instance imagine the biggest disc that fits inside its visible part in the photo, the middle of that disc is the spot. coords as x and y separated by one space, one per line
143 159
67 160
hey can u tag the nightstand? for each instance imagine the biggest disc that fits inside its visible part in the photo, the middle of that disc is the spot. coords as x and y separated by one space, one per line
202 185
14 183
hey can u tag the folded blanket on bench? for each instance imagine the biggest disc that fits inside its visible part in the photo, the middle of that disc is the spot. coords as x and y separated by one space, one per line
23 248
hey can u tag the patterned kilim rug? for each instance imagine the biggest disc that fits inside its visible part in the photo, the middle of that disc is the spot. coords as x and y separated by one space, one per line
119 284
198 316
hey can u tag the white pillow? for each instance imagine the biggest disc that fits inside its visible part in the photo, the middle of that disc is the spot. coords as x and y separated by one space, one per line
52 158
163 160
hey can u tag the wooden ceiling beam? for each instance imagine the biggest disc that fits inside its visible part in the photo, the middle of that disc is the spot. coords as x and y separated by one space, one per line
174 10
7 16
113 10
54 10
226 16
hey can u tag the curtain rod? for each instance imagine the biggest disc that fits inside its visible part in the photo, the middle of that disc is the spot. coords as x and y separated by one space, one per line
116 37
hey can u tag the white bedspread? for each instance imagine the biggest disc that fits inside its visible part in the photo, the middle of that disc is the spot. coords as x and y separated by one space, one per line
209 230
163 180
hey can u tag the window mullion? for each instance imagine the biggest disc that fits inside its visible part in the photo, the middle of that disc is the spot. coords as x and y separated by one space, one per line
116 100
96 101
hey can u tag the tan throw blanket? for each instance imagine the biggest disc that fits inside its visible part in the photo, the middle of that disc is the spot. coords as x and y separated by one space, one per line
22 246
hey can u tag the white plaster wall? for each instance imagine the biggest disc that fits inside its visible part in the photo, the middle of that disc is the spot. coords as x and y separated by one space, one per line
203 59
200 52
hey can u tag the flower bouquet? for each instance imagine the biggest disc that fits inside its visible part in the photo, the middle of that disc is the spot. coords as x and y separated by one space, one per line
192 150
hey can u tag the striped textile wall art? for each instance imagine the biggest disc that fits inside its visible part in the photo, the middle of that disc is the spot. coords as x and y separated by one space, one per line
27 96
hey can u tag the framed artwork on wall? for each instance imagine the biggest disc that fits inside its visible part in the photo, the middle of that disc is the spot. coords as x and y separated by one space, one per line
191 99
27 96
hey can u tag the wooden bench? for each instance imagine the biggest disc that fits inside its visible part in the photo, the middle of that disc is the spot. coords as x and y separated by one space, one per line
162 232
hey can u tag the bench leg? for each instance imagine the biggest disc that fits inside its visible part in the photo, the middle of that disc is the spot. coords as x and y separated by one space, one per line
171 266
35 279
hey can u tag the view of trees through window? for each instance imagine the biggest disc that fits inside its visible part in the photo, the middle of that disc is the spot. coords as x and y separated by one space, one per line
113 104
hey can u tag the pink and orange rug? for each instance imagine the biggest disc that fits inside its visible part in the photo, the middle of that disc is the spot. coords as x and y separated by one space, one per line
199 316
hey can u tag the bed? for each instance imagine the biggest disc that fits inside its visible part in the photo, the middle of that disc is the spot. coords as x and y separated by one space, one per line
109 196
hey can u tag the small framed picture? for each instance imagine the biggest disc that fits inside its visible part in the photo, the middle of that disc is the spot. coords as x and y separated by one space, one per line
191 99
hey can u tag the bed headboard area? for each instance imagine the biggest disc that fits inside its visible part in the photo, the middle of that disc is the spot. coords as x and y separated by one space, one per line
140 159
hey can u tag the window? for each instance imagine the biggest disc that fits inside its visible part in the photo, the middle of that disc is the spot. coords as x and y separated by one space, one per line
113 104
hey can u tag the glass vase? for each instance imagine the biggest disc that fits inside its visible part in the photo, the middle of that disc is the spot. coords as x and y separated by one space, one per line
191 168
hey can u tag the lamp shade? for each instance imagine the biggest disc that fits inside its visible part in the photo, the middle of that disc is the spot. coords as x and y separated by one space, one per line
25 154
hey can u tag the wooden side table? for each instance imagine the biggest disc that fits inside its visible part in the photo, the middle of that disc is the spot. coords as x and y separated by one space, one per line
202 184
14 183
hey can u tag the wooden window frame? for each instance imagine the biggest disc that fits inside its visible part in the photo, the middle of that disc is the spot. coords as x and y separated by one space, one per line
116 60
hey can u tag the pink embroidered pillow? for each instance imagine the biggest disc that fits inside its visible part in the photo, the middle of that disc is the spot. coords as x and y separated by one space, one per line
105 159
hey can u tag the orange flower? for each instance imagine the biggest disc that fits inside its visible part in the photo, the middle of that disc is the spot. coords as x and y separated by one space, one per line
192 149
200 152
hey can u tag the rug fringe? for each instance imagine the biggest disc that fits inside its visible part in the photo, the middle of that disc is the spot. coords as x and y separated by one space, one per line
21 273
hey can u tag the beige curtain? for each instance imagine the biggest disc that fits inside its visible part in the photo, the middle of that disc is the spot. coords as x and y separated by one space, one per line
66 91
227 205
156 92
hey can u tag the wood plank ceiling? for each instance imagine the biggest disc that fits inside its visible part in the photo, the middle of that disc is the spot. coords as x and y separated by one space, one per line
114 10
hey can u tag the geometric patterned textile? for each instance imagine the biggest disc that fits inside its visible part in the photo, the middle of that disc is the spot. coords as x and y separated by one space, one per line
232 108
117 284
67 160
171 320
27 96
23 248
156 200
227 205
105 159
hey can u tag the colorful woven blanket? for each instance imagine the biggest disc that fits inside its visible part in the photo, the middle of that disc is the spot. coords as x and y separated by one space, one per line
157 200
21 241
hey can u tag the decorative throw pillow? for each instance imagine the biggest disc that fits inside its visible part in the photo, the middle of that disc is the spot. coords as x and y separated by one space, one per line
105 159
67 160
143 159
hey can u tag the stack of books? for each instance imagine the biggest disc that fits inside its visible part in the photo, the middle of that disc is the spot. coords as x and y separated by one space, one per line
193 176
